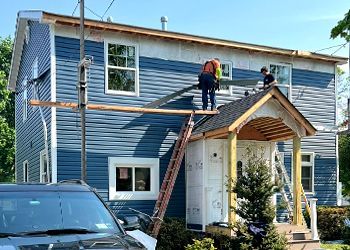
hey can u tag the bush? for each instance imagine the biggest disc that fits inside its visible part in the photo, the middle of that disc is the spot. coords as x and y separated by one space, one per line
205 244
173 235
331 222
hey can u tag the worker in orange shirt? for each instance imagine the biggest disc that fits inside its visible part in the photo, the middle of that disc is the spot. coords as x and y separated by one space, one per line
209 81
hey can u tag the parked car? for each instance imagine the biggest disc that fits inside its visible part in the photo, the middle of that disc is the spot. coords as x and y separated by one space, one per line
66 215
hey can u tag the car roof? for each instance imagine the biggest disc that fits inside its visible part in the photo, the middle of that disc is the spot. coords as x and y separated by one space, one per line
25 187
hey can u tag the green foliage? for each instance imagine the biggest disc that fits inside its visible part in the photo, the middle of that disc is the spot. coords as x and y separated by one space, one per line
331 222
255 189
342 28
173 235
344 159
204 244
7 115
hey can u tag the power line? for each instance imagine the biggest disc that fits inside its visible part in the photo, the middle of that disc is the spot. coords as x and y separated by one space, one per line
76 6
328 48
93 12
107 9
339 48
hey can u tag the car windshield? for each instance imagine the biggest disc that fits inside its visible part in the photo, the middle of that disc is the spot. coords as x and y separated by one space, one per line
23 212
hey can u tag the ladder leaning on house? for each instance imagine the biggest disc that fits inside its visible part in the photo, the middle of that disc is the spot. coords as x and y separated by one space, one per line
170 175
283 175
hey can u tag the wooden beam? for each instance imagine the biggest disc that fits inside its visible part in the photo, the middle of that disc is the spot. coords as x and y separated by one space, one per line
266 124
297 212
196 137
123 108
280 135
276 132
232 173
261 120
250 111
272 128
283 138
213 133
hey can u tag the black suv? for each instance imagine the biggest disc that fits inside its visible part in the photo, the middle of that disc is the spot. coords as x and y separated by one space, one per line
66 215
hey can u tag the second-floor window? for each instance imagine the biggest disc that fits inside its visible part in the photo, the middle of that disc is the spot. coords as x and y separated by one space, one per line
227 75
283 75
121 69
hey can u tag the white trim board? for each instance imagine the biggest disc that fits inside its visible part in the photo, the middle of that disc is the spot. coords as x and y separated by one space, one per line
53 109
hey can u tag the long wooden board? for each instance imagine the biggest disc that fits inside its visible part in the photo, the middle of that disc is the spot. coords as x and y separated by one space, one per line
123 108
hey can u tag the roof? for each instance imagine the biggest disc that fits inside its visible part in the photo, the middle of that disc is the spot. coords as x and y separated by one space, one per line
233 114
50 18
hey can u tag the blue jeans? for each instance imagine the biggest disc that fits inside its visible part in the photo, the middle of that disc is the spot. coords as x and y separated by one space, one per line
207 82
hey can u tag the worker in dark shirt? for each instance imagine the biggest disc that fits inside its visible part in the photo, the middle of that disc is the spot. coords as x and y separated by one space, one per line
269 80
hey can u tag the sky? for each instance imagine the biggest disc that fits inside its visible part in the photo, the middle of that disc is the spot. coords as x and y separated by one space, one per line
292 24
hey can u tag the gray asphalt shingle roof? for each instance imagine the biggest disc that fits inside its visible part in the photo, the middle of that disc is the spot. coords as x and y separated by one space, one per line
229 113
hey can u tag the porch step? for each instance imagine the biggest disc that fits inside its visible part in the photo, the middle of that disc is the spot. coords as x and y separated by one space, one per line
304 244
299 237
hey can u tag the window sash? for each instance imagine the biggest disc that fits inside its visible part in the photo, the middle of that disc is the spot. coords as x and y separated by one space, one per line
126 55
25 171
287 85
226 89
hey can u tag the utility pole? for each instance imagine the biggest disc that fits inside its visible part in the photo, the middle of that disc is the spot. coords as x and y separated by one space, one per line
82 92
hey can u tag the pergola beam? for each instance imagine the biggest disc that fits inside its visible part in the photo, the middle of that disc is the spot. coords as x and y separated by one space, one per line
123 108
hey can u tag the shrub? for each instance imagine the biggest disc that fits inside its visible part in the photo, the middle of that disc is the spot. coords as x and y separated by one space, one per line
174 235
331 222
204 244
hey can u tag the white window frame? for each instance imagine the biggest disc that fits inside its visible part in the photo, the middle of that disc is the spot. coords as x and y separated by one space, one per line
25 100
312 165
152 163
290 77
43 168
26 171
137 85
229 90
312 169
35 74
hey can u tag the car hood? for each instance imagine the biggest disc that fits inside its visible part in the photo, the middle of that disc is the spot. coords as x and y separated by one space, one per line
77 241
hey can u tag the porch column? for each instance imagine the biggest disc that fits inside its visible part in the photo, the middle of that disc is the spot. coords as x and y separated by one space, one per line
297 212
232 174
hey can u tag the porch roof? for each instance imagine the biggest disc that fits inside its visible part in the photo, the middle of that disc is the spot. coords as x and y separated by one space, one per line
239 115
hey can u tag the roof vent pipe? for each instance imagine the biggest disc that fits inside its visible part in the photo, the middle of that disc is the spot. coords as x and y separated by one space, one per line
164 21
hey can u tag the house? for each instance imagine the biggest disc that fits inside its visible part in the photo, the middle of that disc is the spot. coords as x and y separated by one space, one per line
128 153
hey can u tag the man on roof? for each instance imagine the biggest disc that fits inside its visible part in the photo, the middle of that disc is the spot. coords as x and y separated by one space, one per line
209 81
269 79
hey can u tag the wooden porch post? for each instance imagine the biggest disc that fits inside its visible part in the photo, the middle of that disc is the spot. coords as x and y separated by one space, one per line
297 212
232 173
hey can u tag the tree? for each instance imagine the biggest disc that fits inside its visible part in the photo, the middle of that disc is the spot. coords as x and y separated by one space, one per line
255 189
7 117
344 159
342 28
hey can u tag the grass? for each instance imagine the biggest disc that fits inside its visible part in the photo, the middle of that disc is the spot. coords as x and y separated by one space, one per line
335 246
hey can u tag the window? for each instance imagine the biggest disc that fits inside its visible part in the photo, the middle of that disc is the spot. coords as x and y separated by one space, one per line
227 75
25 100
283 75
35 69
25 171
133 178
43 166
307 171
121 69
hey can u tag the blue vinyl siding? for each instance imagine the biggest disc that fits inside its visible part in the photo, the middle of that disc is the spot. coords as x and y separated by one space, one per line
29 134
116 134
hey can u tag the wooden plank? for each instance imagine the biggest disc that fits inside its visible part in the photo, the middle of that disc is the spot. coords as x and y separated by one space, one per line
250 111
277 132
283 138
250 133
297 212
280 135
196 137
232 173
261 120
124 108
272 128
266 123
215 132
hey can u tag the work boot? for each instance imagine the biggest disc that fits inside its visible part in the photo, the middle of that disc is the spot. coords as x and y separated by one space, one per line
213 108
